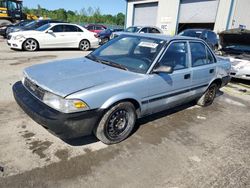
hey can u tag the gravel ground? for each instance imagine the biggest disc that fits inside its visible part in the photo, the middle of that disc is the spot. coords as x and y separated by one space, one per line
187 146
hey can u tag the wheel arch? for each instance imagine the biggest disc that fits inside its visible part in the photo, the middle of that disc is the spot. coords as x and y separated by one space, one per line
217 81
86 40
38 45
123 98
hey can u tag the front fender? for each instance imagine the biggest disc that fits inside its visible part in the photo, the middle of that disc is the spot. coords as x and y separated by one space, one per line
120 97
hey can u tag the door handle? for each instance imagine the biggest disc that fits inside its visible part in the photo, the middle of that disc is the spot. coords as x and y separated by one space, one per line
187 76
211 71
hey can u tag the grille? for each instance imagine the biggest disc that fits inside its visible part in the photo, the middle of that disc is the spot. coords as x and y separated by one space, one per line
34 89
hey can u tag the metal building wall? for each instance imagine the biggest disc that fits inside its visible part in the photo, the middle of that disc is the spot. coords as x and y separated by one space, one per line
240 14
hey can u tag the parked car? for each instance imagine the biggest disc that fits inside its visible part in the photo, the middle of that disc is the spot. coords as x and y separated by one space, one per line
128 78
207 35
104 36
138 29
236 46
3 29
31 26
53 35
96 28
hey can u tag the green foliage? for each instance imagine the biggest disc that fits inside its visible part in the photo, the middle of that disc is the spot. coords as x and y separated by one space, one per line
89 15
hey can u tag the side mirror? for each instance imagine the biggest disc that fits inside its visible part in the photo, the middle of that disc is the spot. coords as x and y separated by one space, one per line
50 31
163 69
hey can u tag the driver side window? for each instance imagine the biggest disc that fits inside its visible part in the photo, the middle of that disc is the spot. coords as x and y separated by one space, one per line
176 56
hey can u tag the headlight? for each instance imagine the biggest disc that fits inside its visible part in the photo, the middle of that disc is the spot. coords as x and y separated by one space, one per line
64 105
18 37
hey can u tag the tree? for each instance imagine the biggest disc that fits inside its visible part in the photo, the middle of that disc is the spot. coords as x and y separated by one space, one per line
120 19
90 15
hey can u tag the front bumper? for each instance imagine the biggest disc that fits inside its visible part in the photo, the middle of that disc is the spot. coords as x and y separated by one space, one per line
239 75
16 44
63 125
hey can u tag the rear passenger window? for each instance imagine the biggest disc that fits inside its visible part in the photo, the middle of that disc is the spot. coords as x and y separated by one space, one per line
176 56
70 28
210 57
200 54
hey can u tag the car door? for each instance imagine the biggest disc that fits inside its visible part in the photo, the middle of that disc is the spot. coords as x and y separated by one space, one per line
203 66
54 39
167 90
71 37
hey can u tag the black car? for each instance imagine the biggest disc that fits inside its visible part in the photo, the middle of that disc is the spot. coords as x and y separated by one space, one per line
4 29
105 35
31 26
207 35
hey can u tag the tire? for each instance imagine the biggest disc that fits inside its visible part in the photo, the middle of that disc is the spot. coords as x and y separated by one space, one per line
116 124
30 45
84 45
5 22
208 97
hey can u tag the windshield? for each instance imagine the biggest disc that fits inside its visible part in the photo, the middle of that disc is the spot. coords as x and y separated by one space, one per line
31 24
191 33
133 53
43 28
132 29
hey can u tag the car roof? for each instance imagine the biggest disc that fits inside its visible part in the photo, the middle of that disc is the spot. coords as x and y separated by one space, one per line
161 36
53 24
197 29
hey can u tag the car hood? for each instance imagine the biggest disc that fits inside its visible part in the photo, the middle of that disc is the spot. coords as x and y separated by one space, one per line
70 76
26 33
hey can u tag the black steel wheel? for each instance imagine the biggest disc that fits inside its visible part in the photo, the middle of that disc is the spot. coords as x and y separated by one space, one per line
117 123
208 97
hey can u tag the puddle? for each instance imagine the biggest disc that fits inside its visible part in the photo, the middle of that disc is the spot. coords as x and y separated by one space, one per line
39 147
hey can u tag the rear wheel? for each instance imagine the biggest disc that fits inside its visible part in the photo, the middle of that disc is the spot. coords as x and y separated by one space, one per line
84 45
117 123
208 97
30 45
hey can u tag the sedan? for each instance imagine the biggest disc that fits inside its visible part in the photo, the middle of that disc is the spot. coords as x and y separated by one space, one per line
54 35
130 77
139 29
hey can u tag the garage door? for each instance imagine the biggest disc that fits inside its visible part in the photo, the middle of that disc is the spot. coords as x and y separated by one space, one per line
198 11
145 14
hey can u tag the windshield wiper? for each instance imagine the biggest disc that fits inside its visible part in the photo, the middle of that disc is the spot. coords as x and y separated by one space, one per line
106 62
113 64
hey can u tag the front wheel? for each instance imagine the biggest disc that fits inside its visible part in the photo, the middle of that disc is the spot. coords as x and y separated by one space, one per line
117 123
84 45
208 97
30 45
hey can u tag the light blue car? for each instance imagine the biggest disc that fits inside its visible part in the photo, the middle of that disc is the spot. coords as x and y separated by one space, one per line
132 76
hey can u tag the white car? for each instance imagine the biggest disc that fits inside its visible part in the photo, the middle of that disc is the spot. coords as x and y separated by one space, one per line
240 67
53 35
138 29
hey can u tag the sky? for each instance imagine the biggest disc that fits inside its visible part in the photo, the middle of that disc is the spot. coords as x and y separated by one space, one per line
107 6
